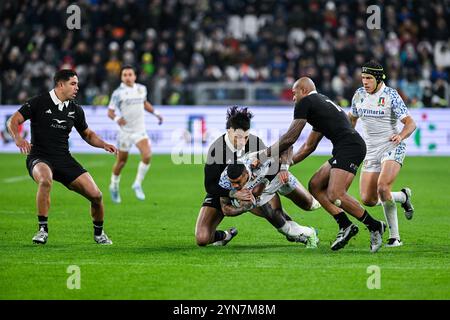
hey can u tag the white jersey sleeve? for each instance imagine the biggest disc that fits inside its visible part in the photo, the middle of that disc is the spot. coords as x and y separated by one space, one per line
398 106
114 103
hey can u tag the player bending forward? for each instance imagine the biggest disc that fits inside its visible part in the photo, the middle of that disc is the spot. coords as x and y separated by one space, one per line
266 202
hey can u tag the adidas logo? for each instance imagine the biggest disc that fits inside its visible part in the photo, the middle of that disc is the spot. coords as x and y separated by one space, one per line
48 111
71 114
334 161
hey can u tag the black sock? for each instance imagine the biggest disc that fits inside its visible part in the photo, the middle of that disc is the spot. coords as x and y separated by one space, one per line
342 220
219 235
43 223
98 228
370 222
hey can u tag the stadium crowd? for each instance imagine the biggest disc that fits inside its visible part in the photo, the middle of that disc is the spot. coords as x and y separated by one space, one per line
175 44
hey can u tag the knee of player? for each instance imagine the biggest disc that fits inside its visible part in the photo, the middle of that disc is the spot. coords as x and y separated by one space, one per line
202 238
368 201
383 190
313 187
334 195
97 197
121 163
45 182
146 158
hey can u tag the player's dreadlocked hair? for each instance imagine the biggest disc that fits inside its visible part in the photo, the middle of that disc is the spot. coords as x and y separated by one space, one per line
238 118
235 170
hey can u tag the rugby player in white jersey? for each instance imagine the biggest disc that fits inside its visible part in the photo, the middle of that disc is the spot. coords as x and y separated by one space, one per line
264 184
130 99
380 108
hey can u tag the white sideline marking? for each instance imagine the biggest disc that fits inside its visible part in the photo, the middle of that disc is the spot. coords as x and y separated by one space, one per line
15 179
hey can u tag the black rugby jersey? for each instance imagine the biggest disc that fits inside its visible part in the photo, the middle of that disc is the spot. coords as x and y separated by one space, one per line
324 116
219 156
50 126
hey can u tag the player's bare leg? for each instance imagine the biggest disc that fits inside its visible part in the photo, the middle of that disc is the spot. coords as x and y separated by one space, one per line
208 220
302 198
368 188
338 184
121 160
143 166
43 176
86 186
340 181
318 186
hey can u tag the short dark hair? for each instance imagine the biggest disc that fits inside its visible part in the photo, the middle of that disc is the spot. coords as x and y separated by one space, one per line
127 66
63 75
238 118
235 170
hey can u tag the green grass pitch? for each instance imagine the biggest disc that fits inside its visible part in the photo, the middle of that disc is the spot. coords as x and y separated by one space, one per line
154 255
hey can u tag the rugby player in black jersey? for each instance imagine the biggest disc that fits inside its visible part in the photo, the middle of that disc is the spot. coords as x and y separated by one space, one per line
330 183
52 115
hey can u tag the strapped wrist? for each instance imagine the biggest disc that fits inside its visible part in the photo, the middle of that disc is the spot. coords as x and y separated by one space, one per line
284 167
116 119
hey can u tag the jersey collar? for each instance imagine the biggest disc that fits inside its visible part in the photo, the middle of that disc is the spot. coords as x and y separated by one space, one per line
231 146
379 92
312 92
124 86
58 102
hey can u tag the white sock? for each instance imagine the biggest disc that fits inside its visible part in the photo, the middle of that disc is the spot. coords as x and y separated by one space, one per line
141 172
115 180
390 213
398 197
315 205
293 229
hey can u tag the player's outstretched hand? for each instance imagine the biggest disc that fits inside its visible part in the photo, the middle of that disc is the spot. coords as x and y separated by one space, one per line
396 138
24 145
110 148
283 175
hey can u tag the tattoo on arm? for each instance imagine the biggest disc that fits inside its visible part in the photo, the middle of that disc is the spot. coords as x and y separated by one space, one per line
229 210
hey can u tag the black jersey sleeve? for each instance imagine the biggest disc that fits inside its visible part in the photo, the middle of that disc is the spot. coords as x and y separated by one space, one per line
212 177
301 108
27 110
80 119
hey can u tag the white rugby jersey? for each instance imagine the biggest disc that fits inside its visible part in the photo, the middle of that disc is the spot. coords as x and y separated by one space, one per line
257 176
379 114
130 103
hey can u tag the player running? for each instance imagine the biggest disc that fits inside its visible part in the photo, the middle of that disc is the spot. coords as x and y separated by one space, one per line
330 183
130 99
380 108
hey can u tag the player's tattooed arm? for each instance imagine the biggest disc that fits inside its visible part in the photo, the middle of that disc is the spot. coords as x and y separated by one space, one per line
287 139
229 210
308 147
